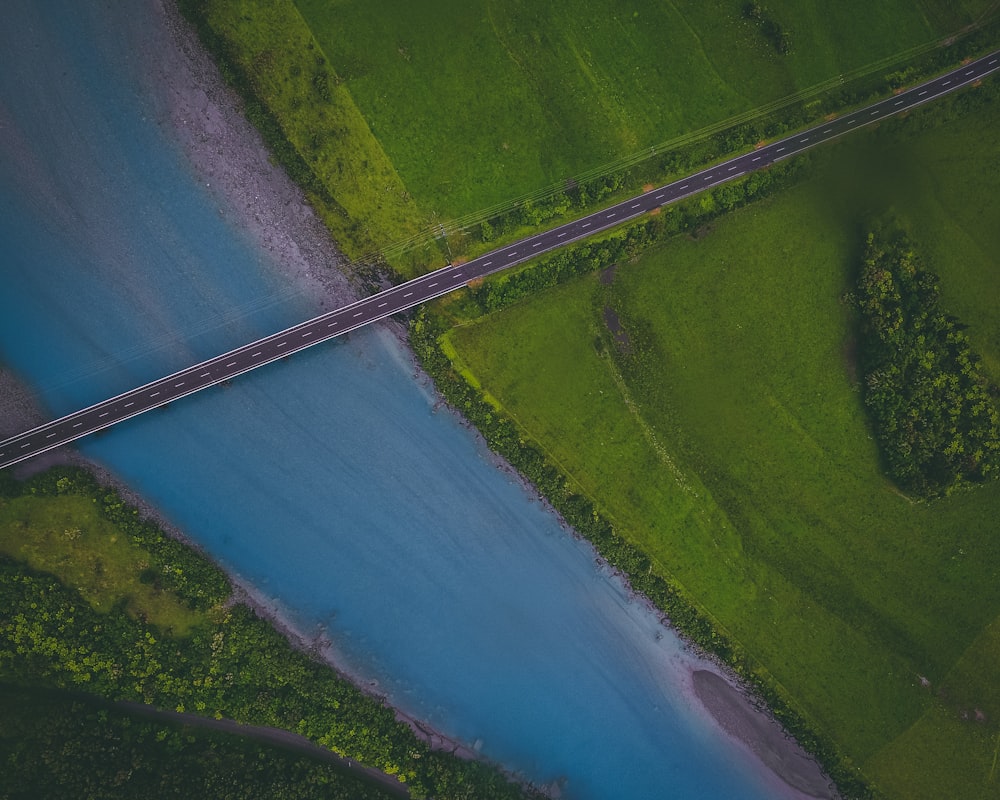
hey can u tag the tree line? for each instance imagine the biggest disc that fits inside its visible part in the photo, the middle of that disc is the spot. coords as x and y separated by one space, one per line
236 666
58 745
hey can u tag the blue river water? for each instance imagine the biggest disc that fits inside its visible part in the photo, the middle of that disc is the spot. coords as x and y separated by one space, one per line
328 481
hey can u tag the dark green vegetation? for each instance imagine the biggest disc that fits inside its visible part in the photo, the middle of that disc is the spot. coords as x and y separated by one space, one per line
411 124
54 746
170 639
698 413
933 406
769 27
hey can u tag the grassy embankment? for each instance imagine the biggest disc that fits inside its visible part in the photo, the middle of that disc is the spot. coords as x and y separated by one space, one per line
728 441
413 121
65 535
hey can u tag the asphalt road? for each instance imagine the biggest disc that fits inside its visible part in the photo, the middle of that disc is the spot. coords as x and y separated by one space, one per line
435 284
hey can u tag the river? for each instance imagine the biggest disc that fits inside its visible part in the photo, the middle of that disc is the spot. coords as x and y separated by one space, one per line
330 482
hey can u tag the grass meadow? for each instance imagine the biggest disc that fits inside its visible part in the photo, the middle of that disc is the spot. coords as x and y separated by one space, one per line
728 440
476 103
66 536
407 116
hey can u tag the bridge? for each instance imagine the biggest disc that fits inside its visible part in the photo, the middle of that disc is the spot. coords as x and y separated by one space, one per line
447 279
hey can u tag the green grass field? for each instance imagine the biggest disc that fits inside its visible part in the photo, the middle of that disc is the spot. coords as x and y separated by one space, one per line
406 116
731 445
66 536
477 103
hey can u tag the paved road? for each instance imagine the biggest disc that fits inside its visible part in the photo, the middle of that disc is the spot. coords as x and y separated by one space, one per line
434 284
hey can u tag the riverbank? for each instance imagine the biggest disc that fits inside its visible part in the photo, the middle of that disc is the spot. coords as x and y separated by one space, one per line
310 267
290 253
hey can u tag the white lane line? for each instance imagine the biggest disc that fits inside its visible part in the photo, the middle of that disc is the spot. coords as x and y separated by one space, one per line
991 63
636 205
457 275
827 130
26 444
946 83
899 102
970 72
585 225
332 325
231 364
408 294
658 196
130 404
779 149
876 111
78 425
102 416
685 186
559 236
485 265
851 121
432 285
509 255
383 305
254 355
207 374
734 166
536 244
307 334
921 94
281 344
154 394
804 139
609 216
358 314
709 177
178 385
51 435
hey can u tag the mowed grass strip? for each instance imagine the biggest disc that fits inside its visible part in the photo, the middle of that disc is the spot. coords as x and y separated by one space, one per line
477 103
67 537
783 526
369 206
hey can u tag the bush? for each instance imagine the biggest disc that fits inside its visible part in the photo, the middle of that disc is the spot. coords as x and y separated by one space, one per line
935 419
